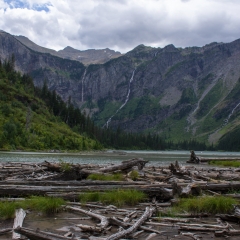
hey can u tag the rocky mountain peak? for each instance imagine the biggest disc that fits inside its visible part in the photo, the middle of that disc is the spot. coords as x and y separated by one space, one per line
180 93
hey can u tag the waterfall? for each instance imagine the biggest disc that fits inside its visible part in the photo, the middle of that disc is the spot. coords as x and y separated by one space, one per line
226 120
83 78
125 102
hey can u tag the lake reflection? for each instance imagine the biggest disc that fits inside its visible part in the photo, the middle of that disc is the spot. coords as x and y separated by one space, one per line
110 156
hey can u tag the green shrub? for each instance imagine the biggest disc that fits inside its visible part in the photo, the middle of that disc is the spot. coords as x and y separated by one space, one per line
65 166
134 175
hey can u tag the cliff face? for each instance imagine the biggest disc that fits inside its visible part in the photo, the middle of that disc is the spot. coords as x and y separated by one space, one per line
60 74
180 93
90 56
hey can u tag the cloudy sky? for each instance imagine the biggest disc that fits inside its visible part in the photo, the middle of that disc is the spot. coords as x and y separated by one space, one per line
121 24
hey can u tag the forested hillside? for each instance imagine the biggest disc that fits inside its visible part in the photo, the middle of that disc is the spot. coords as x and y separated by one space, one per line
27 123
33 118
153 98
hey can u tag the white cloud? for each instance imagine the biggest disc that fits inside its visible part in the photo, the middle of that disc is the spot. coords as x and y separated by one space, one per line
122 24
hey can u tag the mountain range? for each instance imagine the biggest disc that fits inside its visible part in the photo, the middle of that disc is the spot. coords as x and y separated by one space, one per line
179 93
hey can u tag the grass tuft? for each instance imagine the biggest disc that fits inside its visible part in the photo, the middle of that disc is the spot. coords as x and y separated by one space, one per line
207 204
134 175
90 197
47 205
117 197
226 163
7 210
103 177
65 166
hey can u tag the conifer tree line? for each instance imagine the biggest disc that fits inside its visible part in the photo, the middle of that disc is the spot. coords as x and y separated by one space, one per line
110 138
80 123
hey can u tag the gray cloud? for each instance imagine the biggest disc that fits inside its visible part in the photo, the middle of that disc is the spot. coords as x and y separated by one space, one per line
122 24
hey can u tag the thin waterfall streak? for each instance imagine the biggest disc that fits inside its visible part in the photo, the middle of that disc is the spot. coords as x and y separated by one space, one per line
83 78
125 102
229 116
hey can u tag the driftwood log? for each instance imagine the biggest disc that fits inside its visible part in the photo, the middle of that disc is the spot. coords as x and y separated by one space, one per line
196 159
6 230
39 235
103 220
18 221
147 214
79 172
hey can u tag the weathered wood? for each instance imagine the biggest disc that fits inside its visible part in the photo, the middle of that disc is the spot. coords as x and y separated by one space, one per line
115 221
193 236
201 229
174 220
4 231
147 214
139 162
18 221
221 233
150 236
88 228
39 235
69 183
193 158
197 159
104 220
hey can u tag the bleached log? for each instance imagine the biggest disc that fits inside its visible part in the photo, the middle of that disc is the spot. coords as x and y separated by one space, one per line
128 164
136 234
130 216
221 233
96 238
189 225
115 221
193 236
4 231
39 235
104 220
147 214
174 220
196 228
88 228
150 236
18 221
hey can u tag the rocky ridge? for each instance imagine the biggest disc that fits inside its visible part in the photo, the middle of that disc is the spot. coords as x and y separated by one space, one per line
86 57
179 93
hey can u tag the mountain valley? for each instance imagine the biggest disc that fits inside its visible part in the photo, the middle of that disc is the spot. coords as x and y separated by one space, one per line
178 93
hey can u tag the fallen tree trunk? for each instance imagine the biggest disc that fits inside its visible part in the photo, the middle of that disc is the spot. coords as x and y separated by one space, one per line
227 232
126 165
72 192
4 231
147 214
39 235
18 221
104 221
196 159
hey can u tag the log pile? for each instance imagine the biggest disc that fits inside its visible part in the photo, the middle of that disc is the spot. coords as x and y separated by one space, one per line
162 184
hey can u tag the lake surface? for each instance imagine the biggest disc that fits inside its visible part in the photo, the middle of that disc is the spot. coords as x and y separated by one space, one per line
110 156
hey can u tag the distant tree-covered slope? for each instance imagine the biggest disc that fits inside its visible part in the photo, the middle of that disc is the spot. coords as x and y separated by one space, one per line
27 123
179 94
37 118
